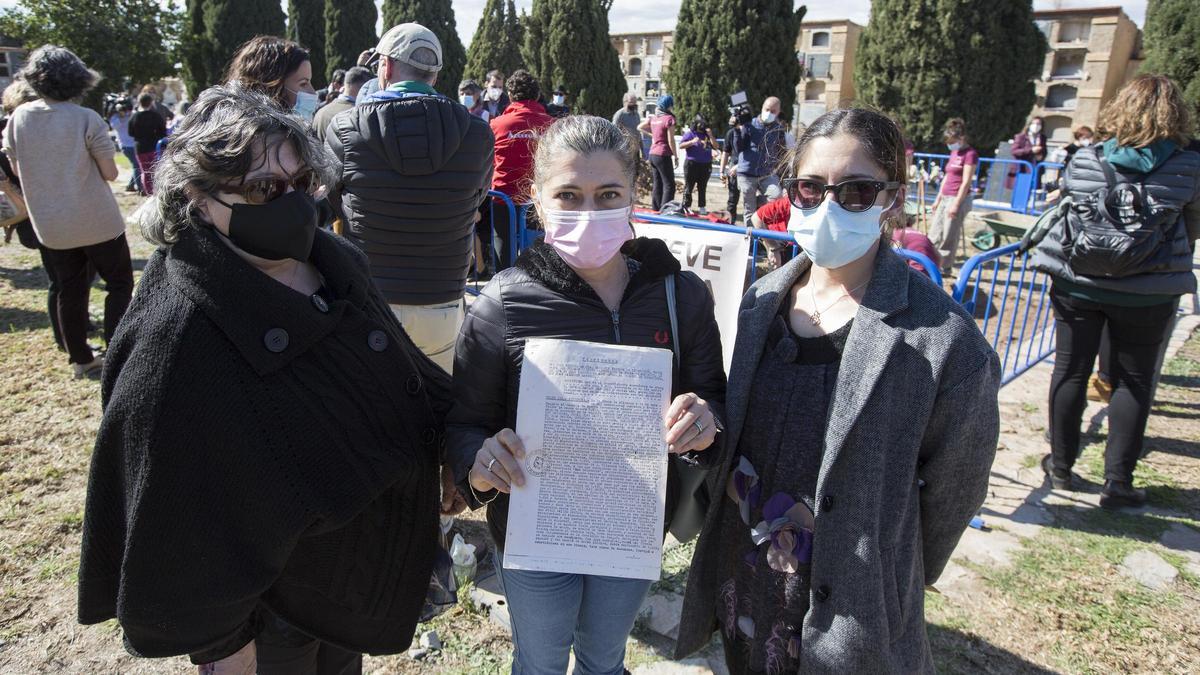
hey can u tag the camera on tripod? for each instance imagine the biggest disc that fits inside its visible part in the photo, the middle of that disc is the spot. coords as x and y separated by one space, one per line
739 108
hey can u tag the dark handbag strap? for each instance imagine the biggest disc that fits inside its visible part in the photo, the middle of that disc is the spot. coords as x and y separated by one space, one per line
669 282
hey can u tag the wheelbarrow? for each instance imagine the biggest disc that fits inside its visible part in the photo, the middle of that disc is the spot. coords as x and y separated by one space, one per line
1001 225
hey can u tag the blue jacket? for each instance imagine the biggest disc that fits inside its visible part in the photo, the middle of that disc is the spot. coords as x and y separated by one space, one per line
760 147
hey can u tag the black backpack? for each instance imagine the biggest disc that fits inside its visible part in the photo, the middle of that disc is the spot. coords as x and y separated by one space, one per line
1118 230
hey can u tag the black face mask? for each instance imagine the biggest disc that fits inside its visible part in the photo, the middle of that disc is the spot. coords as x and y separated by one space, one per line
282 228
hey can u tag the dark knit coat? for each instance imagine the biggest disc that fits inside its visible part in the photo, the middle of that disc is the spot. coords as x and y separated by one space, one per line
261 449
542 297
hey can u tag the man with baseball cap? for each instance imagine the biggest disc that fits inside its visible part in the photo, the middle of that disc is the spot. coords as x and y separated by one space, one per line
416 166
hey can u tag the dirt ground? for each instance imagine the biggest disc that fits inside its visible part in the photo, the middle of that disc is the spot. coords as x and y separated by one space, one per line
1057 606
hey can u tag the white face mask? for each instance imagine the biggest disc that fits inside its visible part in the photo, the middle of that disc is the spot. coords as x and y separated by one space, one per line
306 104
769 117
1084 142
467 100
559 99
493 94
954 146
832 236
1035 128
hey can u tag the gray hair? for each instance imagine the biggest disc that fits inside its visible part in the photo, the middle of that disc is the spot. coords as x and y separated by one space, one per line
56 73
226 134
585 135
17 93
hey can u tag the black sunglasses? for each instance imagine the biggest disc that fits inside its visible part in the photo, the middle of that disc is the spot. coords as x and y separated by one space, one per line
264 190
855 196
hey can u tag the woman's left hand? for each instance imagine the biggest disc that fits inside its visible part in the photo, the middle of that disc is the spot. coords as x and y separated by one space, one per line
690 424
453 503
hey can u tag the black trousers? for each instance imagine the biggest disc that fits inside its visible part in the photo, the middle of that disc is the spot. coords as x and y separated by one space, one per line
1135 335
52 297
284 650
664 180
71 267
695 174
735 198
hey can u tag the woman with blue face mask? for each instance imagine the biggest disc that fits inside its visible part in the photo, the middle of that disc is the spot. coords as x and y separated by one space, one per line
590 279
835 511
278 68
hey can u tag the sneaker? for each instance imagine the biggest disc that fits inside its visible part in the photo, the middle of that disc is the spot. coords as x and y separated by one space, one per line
1119 493
702 211
91 370
1058 479
1099 389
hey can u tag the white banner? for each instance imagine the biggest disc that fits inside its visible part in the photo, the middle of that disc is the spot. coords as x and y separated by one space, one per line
719 259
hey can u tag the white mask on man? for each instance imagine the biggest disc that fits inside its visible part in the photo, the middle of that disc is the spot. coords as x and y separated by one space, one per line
769 117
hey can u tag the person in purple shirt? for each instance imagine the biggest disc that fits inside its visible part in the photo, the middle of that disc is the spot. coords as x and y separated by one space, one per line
698 144
953 202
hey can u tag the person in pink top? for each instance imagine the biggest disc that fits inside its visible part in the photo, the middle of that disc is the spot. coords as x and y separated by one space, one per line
661 127
953 202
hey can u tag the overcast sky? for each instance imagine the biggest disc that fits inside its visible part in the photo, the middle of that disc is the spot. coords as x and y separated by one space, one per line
646 15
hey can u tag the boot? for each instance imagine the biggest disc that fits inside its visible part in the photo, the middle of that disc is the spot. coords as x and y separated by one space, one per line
1119 493
1059 480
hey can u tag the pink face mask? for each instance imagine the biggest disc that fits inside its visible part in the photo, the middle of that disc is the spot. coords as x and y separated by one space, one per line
587 239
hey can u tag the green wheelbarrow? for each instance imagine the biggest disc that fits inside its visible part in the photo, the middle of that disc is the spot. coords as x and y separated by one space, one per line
1001 225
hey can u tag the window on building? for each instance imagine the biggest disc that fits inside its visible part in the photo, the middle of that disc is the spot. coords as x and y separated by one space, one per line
1061 97
656 46
817 65
814 90
820 38
1074 31
1058 129
652 87
1069 64
1045 27
635 67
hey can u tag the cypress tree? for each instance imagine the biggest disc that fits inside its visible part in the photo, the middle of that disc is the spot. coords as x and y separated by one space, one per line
437 16
192 49
514 38
726 46
926 61
567 43
349 29
1172 40
487 45
230 23
306 26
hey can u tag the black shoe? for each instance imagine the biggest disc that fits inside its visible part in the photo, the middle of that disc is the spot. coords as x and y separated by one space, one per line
1058 479
1119 493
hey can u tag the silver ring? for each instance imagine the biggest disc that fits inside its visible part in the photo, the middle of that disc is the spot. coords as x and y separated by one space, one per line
699 427
489 465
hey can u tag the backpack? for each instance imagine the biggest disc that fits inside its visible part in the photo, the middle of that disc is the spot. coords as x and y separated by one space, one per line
1117 230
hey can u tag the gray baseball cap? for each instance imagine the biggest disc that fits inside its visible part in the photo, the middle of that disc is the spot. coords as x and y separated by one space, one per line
399 43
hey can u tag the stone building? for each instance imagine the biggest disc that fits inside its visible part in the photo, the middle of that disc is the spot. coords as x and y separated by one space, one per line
1093 52
645 58
826 52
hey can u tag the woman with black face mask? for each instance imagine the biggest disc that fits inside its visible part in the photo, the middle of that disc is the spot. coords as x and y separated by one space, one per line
265 480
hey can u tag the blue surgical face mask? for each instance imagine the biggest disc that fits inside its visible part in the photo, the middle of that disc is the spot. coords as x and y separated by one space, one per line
832 236
467 100
306 104
953 146
559 99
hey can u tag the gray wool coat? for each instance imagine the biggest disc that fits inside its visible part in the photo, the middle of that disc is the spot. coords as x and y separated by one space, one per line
912 431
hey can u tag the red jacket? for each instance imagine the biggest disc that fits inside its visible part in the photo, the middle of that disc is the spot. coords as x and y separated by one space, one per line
517 131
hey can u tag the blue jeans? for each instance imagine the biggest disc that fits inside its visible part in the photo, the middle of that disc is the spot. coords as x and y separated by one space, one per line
551 612
131 154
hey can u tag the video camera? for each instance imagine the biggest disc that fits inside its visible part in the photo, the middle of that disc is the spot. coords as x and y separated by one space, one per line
113 102
739 108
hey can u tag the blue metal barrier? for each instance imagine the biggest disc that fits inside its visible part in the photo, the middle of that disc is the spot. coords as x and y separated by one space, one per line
1010 301
489 247
1037 198
991 178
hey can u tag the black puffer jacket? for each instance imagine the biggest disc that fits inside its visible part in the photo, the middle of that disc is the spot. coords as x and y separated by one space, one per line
543 297
414 171
1173 186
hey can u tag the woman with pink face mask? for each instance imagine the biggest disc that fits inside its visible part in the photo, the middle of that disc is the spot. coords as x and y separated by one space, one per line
590 279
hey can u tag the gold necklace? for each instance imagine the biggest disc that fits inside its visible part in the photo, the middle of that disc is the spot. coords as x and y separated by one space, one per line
815 318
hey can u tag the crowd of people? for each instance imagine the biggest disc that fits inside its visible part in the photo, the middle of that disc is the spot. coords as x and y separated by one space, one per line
297 393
